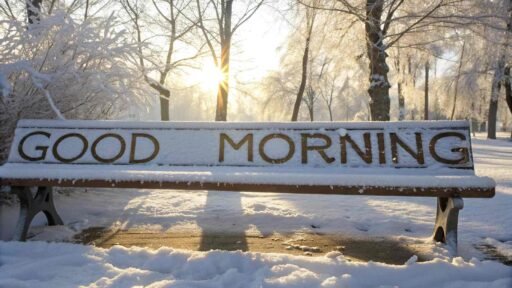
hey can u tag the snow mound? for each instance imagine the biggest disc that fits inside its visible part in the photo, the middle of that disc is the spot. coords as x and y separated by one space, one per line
41 264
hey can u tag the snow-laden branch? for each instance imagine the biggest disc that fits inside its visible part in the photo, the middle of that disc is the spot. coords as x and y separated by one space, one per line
39 80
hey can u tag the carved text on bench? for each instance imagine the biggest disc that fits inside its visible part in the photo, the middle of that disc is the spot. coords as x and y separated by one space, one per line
246 147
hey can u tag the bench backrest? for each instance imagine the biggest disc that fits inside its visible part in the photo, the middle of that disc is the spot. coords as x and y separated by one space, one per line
337 145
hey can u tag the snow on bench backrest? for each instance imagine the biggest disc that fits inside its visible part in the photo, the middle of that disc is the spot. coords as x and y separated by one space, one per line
432 145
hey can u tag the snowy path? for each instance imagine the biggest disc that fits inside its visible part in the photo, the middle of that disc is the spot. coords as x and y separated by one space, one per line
481 221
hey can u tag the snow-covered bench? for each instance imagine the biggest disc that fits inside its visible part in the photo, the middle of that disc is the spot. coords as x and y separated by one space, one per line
365 158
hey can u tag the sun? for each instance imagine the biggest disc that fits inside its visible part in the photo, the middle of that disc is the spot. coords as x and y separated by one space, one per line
209 77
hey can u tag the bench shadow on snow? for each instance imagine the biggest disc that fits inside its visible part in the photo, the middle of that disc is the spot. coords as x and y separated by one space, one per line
210 238
366 225
359 247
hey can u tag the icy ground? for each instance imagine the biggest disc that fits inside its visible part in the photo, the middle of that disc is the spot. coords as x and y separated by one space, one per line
482 221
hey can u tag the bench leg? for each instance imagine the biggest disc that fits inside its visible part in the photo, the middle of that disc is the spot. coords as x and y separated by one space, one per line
31 205
447 218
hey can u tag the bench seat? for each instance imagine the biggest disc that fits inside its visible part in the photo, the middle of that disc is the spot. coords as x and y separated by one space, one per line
366 181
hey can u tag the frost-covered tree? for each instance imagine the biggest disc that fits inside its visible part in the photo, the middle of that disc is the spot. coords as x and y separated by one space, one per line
309 17
332 79
385 23
162 31
65 67
218 21
481 31
500 64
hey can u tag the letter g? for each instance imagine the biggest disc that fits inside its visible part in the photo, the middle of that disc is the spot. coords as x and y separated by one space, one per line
43 149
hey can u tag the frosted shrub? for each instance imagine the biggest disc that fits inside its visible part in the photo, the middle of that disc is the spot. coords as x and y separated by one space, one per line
62 68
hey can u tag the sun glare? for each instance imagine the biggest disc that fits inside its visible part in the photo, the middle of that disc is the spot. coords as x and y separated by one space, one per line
210 77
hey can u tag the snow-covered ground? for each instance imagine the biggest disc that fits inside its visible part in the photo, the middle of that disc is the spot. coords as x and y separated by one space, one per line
482 221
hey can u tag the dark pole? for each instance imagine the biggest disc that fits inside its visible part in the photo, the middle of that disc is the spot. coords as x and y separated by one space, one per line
427 67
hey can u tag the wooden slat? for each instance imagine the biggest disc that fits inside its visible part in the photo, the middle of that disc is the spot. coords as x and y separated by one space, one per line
473 192
379 144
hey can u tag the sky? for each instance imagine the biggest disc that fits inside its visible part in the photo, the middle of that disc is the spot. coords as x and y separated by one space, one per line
267 32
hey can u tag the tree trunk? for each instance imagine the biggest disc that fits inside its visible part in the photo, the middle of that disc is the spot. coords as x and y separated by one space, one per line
221 112
303 79
497 79
223 88
302 87
427 68
86 12
165 95
164 109
508 88
495 95
491 119
310 94
508 91
401 99
376 52
457 81
401 103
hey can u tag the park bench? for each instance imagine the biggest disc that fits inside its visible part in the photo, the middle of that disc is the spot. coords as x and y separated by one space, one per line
430 159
